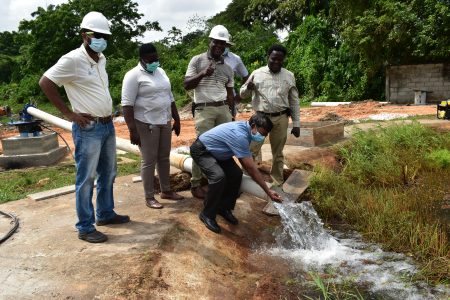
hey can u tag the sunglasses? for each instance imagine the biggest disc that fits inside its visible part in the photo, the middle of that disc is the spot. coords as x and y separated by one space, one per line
98 35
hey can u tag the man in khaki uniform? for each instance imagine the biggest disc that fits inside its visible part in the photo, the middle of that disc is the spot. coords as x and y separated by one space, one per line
212 82
275 94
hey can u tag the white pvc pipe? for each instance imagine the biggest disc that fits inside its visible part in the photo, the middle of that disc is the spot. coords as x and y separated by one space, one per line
184 162
121 144
179 161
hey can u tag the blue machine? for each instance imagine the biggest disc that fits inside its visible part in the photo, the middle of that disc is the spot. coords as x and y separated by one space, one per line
27 125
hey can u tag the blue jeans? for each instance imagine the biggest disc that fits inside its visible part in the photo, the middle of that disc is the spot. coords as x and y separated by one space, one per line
95 154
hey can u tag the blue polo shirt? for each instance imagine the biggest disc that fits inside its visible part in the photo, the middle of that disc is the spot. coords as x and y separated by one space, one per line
228 139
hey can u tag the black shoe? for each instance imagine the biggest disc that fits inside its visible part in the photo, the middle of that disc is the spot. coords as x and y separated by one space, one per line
211 224
228 215
118 219
93 237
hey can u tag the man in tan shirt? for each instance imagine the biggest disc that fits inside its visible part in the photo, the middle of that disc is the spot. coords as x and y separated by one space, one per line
275 94
212 81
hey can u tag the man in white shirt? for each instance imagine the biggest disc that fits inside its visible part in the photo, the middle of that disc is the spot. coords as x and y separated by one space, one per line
82 73
275 94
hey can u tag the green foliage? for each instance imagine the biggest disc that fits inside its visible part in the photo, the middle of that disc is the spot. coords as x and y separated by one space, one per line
439 158
17 184
391 193
390 156
337 49
44 43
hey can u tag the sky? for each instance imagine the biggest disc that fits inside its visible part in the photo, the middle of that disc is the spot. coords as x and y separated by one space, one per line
167 12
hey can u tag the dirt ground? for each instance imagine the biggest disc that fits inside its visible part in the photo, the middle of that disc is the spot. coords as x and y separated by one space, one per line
353 112
161 254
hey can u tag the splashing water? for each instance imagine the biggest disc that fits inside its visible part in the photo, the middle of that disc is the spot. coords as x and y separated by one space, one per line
308 246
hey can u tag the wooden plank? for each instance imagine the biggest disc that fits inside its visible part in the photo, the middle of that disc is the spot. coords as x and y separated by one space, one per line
52 193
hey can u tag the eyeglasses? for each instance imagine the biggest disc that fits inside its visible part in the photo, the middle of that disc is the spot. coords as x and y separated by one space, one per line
98 35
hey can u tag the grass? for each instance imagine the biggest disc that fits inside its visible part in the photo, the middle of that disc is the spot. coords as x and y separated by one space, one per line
391 186
329 290
17 184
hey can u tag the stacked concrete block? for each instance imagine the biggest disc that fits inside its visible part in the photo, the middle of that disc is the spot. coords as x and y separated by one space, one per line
404 82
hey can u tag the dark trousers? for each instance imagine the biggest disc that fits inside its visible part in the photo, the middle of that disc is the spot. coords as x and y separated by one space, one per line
224 180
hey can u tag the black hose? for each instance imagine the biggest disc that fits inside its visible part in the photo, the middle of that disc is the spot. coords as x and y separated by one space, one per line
13 229
67 144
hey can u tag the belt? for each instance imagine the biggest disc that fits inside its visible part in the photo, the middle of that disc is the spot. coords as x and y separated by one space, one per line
275 114
103 120
217 103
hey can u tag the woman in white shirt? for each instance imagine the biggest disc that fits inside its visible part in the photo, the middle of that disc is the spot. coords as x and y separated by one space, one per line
148 107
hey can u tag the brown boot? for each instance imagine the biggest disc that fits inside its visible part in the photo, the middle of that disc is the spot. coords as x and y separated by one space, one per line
153 203
171 195
198 192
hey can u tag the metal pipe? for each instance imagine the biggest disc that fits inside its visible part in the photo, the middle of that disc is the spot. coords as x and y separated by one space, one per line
179 161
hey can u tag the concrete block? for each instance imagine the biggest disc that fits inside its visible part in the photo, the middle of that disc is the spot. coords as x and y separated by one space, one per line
293 187
317 133
32 160
30 145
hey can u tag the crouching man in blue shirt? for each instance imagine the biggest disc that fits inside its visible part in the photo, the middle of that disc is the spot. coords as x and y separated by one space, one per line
213 152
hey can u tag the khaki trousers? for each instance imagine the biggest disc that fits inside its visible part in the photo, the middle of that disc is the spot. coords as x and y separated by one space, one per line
277 138
206 118
155 151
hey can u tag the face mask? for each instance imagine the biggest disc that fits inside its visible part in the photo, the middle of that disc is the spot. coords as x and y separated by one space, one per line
152 67
258 137
225 52
98 45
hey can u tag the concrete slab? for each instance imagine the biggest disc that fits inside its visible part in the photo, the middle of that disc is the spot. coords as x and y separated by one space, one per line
293 187
33 160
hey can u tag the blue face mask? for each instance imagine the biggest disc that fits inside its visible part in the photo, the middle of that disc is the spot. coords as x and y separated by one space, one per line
152 67
225 52
98 45
258 137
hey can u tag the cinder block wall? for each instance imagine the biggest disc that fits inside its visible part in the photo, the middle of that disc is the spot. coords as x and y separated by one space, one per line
401 81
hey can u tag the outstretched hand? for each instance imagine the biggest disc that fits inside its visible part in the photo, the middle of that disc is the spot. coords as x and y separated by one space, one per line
275 197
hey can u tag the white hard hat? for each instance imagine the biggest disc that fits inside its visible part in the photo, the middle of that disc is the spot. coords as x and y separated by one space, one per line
219 32
230 40
95 21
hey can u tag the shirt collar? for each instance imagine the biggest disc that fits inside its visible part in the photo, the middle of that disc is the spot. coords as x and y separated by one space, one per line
141 68
249 131
220 61
93 62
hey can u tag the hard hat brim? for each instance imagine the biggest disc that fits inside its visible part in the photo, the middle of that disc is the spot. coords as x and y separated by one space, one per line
98 30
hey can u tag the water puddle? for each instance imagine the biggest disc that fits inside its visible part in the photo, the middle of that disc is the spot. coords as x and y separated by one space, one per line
309 247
